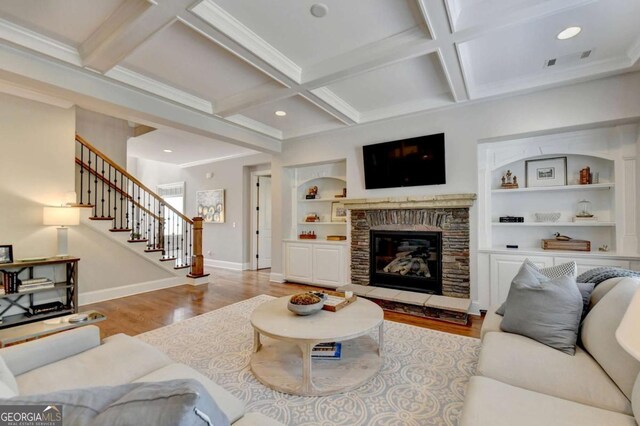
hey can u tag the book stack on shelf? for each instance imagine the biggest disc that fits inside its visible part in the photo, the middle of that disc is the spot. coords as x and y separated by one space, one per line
10 282
330 350
35 284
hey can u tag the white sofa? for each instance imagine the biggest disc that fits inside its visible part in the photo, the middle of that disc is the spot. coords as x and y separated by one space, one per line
522 382
77 359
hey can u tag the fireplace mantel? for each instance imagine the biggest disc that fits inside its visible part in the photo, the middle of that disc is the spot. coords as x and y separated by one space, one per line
451 201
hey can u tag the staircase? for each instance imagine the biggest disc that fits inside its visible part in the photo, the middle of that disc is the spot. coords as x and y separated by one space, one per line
136 215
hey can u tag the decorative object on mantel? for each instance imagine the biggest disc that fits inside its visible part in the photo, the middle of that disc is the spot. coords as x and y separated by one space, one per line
546 172
564 242
511 219
312 217
585 176
336 237
308 235
509 182
547 217
604 248
6 254
312 193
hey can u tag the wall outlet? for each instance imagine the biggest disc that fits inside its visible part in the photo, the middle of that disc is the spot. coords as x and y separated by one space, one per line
208 252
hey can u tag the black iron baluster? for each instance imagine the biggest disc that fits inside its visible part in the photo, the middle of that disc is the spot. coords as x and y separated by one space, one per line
127 205
109 192
95 184
89 184
115 201
81 173
102 182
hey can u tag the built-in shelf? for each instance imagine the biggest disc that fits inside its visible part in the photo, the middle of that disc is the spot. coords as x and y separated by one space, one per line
533 251
322 223
323 200
555 188
316 241
554 224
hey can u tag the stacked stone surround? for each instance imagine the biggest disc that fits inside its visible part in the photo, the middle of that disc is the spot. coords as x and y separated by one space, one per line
453 222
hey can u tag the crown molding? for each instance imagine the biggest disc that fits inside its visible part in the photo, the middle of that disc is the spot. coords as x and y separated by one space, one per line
38 42
219 18
25 93
140 81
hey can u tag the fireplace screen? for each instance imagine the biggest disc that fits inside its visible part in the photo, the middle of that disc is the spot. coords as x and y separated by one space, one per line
406 260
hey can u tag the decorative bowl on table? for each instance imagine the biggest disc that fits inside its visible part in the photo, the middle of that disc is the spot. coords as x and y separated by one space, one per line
547 217
306 303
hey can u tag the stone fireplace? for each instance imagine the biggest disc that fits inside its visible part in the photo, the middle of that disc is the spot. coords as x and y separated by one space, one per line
418 236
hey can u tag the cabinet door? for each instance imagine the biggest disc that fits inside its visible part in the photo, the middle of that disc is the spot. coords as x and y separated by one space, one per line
585 264
298 262
328 265
504 268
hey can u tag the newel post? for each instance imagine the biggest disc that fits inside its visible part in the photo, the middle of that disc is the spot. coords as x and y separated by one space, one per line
197 260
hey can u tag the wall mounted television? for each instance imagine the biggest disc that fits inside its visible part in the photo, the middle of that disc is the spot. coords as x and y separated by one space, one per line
407 162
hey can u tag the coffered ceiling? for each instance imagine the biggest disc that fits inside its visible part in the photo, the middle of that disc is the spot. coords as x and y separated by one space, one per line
236 62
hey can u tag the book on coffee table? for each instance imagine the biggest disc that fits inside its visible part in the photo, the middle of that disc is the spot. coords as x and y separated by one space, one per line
331 350
337 300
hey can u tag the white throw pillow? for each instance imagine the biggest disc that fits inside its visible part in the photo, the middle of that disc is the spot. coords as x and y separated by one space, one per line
569 269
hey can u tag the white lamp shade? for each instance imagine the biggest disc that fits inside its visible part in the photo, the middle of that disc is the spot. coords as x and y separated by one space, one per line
628 332
61 216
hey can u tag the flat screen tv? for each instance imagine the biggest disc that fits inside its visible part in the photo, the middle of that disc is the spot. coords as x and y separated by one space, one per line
407 162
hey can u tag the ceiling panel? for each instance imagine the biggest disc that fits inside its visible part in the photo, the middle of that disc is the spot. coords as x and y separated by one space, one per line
186 147
302 116
609 27
417 79
68 21
470 13
288 25
183 58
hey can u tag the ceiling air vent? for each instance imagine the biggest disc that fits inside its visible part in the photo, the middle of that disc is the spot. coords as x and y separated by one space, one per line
572 58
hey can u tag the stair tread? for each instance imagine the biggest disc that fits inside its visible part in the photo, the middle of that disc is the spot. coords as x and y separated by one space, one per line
182 267
167 259
153 250
135 240
100 218
120 230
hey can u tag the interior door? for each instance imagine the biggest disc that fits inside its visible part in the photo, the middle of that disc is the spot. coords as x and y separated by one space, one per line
264 222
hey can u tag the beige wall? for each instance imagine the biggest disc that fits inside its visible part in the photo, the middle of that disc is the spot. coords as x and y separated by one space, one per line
106 133
37 169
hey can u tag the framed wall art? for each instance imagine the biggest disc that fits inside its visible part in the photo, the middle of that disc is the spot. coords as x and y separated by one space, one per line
546 172
338 212
210 205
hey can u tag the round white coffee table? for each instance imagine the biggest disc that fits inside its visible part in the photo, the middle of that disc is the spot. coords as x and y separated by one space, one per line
284 362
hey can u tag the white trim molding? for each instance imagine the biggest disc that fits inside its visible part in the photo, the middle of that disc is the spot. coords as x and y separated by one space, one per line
275 277
223 264
86 298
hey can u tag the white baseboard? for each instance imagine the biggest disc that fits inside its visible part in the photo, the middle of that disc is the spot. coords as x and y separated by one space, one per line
223 264
276 277
128 290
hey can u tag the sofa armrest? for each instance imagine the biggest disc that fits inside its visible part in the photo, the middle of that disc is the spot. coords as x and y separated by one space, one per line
47 350
491 322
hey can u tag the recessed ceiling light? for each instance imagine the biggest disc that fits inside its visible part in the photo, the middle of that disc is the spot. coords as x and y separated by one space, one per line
167 150
319 10
568 33
281 113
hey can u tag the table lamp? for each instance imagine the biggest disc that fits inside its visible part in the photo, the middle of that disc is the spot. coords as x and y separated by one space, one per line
61 217
628 332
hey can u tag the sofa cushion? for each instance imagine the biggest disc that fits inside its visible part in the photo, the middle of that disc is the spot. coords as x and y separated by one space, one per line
546 310
598 335
522 362
8 387
602 289
229 404
491 322
488 402
121 359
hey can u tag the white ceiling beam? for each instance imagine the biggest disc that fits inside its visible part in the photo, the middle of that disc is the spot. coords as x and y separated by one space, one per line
134 22
268 92
99 93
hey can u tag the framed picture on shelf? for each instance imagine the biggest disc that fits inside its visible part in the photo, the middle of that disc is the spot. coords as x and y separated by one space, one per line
338 212
6 254
546 172
210 205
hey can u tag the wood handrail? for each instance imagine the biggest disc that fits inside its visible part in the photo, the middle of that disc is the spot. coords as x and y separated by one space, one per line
131 178
118 190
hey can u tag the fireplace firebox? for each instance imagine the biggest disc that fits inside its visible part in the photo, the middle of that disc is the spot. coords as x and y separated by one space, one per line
406 260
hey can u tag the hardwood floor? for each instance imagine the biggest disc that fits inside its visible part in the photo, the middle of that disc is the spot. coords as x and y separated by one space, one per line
144 312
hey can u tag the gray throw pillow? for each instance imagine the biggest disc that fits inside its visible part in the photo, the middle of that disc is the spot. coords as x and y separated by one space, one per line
543 309
585 291
182 402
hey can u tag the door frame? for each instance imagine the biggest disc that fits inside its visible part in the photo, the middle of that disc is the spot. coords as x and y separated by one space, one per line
253 262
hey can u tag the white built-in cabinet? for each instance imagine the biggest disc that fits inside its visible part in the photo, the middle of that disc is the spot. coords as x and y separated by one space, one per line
319 262
609 151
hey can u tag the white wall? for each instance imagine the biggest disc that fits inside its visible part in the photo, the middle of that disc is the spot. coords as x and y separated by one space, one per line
108 134
37 169
605 100
224 244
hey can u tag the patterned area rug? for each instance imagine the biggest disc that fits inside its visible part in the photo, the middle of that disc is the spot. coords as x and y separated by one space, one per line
422 381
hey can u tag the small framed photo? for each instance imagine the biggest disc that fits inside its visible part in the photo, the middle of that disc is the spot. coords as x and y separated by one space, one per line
338 212
546 172
6 254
